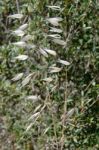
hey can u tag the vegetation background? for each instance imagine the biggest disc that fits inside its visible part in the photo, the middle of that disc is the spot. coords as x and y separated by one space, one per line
49 87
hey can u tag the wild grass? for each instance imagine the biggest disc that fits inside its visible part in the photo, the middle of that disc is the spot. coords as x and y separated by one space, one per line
49 87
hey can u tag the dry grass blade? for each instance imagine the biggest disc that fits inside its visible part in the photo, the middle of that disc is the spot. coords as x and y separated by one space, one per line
16 16
33 97
26 80
60 42
17 77
22 57
54 21
23 27
57 36
29 127
46 130
20 44
64 62
34 115
44 53
48 79
54 7
52 52
30 46
18 33
55 30
54 69
70 113
37 108
26 38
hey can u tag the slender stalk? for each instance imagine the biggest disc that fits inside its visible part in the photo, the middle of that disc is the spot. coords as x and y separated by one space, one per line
64 113
65 94
17 5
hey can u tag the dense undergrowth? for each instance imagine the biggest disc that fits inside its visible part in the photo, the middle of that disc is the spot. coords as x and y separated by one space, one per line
49 88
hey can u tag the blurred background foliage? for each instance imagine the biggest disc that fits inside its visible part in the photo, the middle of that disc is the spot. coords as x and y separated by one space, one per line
80 26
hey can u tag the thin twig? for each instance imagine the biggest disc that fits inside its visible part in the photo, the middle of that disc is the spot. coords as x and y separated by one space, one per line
17 5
